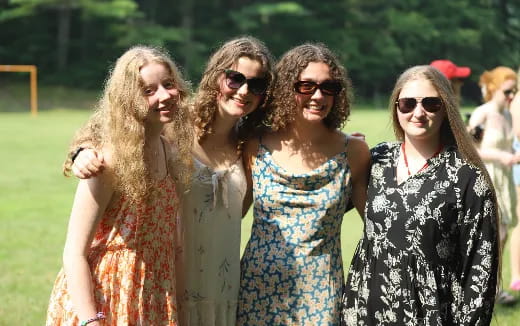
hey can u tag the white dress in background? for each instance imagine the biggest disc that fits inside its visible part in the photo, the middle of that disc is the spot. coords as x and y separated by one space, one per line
209 254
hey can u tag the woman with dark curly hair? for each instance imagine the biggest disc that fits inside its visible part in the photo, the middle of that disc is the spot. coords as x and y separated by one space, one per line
235 84
302 178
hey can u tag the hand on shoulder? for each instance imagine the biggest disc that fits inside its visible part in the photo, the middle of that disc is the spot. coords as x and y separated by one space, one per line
88 163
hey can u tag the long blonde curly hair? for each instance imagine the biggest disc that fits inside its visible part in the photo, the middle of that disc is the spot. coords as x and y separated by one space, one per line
119 123
491 80
281 108
205 103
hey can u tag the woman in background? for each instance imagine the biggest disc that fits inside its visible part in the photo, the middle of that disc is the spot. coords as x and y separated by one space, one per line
514 243
495 148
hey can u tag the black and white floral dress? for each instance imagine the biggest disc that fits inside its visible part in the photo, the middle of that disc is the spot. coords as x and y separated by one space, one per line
429 252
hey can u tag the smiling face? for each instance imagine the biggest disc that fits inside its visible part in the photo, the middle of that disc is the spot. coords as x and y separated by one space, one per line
420 124
236 103
316 106
160 92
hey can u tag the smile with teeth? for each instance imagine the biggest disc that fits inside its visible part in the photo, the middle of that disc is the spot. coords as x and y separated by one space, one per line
239 101
315 107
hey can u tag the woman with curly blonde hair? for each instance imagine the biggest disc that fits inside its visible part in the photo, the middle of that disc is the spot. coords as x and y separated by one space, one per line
302 178
118 261
227 108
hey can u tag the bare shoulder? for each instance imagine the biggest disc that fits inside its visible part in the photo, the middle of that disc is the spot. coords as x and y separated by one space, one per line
251 147
356 145
358 153
479 115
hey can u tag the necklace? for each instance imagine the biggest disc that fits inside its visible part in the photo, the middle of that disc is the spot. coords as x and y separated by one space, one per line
425 164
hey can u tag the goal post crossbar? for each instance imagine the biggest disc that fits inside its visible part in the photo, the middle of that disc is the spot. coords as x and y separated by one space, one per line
34 87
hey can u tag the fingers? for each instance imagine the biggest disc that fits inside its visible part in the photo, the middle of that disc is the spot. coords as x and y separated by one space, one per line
87 164
358 135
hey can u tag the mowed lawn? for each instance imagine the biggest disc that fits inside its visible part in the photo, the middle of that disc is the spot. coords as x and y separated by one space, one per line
35 201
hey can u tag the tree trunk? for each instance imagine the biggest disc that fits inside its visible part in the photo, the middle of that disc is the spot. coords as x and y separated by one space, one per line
187 26
64 14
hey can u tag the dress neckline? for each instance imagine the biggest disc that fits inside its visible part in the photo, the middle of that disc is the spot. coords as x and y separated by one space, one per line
314 171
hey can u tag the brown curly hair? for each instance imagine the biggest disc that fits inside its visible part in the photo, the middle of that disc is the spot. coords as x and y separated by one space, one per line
206 99
281 108
119 123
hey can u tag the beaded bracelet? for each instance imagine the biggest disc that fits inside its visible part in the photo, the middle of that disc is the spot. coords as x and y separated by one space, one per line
99 316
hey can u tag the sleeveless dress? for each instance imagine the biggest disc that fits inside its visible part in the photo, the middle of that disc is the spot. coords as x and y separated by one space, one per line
292 270
132 262
501 175
429 251
209 261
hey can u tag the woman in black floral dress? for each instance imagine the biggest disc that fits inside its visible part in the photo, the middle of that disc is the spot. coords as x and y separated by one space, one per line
429 254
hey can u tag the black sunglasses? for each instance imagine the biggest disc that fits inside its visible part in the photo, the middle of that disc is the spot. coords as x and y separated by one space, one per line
508 92
328 87
408 104
235 80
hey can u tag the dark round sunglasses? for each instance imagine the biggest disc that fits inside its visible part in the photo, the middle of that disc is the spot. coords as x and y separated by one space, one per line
509 92
408 104
235 80
328 87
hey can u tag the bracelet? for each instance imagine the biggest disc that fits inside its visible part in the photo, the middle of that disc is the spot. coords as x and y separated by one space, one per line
99 316
75 154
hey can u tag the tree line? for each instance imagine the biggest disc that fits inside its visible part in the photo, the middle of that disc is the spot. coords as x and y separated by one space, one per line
73 42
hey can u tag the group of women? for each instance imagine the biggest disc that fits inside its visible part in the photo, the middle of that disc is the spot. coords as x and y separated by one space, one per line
270 136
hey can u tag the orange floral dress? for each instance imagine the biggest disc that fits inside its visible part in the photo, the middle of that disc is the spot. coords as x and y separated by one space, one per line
132 264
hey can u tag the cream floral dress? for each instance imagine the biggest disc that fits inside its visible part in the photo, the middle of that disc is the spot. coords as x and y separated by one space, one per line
209 260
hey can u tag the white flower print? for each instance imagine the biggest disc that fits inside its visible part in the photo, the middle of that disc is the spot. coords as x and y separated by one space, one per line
418 237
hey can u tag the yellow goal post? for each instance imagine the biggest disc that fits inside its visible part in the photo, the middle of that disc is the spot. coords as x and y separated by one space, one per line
34 86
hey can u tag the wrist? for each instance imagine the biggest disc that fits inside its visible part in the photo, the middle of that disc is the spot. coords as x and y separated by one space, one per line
99 316
75 153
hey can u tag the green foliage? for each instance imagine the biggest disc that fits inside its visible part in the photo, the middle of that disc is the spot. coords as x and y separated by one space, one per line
375 39
256 15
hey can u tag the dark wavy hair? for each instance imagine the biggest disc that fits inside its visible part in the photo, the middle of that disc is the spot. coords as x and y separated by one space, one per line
281 108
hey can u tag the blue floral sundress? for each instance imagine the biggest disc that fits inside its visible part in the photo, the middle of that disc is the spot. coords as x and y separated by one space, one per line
292 270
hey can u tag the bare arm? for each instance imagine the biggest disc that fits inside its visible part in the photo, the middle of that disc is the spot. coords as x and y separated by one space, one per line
489 154
90 202
515 114
360 168
250 151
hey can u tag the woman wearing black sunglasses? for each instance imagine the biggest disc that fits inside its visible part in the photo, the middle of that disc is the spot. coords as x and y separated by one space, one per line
234 85
302 178
429 253
495 148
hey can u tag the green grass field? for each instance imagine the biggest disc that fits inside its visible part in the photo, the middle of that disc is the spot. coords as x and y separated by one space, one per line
35 200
